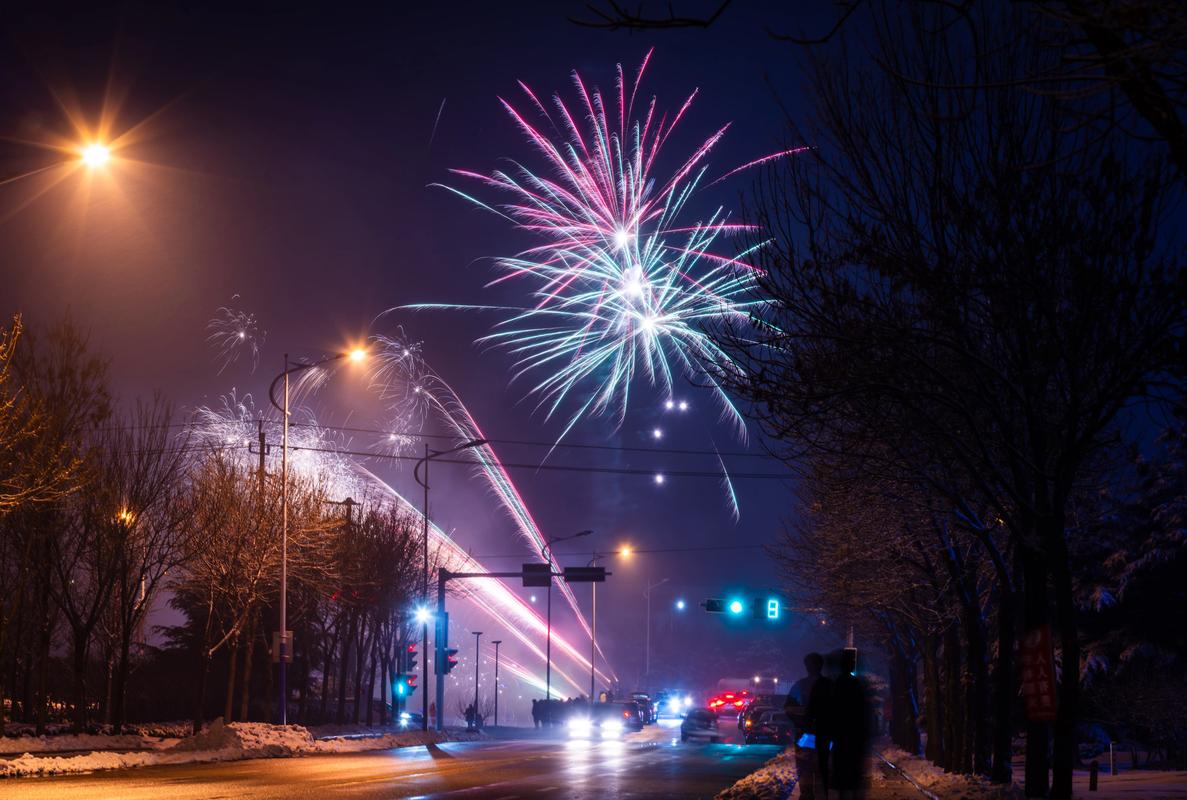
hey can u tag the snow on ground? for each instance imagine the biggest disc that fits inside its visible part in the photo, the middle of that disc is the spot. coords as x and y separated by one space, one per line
931 778
774 780
219 742
67 742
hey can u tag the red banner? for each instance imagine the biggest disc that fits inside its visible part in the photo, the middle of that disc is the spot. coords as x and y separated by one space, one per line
1037 660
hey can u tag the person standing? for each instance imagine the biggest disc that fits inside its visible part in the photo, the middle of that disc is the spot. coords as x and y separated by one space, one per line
849 726
536 713
806 706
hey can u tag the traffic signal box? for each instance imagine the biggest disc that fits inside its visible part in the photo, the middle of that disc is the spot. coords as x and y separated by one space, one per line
768 608
450 660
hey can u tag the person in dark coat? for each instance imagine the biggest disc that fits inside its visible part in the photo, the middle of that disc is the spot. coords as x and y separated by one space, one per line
536 713
807 706
849 729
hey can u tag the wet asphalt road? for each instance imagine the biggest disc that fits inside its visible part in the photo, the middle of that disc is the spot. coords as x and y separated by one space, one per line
651 764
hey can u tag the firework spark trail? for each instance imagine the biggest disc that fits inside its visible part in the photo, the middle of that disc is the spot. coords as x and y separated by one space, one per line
399 361
621 285
312 454
492 596
232 333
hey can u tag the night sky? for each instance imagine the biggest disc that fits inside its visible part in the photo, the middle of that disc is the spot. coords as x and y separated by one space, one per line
283 154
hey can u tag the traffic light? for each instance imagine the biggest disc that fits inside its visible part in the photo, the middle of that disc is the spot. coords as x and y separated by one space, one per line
714 605
400 687
450 660
736 607
410 660
774 608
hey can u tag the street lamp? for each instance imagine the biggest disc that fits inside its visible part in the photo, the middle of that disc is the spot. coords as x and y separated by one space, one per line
496 643
548 645
647 650
477 664
356 355
430 454
95 155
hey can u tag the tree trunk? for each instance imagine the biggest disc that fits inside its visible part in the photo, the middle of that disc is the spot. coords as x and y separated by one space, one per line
232 657
1035 610
978 711
360 661
1069 682
343 670
932 705
371 682
384 682
245 684
120 698
327 662
1003 680
952 704
81 643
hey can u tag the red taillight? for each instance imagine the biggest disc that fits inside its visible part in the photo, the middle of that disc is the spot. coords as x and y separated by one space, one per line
626 715
738 703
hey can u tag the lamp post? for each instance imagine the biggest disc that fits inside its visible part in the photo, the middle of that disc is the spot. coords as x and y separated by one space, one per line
548 636
647 649
430 454
496 643
356 355
477 664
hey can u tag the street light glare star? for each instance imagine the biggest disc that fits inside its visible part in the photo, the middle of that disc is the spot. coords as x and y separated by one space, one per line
683 405
659 479
657 434
358 354
95 155
670 404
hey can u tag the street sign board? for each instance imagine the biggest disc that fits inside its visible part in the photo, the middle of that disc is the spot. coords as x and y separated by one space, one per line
1037 660
585 574
537 574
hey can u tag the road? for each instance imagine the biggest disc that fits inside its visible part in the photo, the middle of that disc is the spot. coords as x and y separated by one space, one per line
650 764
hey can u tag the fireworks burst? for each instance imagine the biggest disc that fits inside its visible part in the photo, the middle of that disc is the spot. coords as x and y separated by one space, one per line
233 333
622 283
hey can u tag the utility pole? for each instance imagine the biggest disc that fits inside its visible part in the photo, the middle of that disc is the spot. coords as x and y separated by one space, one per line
496 643
477 666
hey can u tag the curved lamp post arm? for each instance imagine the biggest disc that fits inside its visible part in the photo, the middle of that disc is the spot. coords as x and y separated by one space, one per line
294 369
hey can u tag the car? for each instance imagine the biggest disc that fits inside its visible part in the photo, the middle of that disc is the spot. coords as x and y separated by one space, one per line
700 723
730 702
647 707
629 711
672 704
770 727
751 713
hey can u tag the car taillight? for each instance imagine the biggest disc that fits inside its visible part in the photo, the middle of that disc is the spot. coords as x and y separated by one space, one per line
738 703
626 715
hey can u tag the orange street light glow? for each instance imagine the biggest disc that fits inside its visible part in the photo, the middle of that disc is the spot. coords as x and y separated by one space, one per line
358 354
625 550
95 155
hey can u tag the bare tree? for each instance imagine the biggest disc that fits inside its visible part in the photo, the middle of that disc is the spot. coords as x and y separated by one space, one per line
963 281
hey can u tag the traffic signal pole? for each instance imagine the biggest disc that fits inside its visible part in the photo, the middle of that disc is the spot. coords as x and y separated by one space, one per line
442 628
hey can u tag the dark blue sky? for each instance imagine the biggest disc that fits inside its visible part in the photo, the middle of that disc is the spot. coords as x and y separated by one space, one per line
287 160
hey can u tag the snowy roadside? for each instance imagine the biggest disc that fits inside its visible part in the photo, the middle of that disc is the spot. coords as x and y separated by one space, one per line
934 782
20 739
219 742
774 780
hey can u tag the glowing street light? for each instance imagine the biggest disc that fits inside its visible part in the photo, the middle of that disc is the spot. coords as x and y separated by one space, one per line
423 615
625 551
95 155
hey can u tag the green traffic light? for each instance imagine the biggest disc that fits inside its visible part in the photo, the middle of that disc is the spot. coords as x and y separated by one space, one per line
736 607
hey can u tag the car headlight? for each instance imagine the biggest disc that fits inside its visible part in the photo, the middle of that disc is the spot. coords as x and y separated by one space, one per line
579 726
688 701
611 727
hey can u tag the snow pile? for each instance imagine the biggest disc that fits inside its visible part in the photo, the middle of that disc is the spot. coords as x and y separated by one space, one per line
82 741
774 780
225 742
253 739
933 780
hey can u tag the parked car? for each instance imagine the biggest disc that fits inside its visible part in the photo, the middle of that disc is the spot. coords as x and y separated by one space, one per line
700 723
770 727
